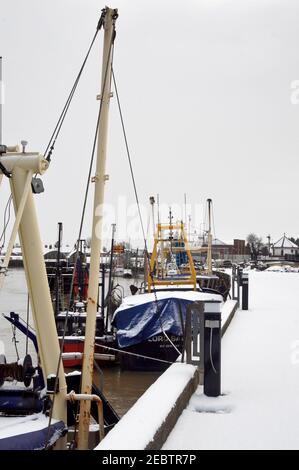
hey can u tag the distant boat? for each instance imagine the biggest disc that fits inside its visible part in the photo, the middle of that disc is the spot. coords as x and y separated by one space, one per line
128 273
74 327
16 258
119 271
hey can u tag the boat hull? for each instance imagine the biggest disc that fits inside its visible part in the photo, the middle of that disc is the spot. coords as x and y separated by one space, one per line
76 345
221 284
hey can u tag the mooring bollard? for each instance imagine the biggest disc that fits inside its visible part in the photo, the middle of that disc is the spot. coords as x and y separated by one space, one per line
239 282
212 349
233 281
245 286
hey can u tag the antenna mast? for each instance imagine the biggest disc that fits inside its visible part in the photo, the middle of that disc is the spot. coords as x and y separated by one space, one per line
152 203
185 210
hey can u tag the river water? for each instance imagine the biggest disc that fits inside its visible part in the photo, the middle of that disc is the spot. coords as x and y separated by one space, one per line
122 388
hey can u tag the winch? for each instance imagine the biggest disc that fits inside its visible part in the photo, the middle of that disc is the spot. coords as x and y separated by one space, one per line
21 371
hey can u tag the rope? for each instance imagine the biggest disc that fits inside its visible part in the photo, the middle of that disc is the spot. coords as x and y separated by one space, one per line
14 340
138 206
79 237
133 354
27 323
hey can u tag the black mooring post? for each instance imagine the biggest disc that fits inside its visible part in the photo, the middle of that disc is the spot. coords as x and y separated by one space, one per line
245 291
212 349
233 281
239 282
238 285
103 290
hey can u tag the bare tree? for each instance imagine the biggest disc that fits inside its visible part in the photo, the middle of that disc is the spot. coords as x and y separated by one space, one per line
255 244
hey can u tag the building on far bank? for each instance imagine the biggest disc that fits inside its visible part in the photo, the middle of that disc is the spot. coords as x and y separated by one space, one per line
284 246
221 250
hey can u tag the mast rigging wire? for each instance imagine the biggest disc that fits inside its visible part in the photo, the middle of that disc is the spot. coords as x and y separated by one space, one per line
6 222
138 207
57 129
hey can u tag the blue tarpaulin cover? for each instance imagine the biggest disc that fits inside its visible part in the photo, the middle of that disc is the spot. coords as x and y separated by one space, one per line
140 322
30 438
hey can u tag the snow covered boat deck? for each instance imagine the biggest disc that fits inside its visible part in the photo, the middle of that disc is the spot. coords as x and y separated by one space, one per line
259 406
30 432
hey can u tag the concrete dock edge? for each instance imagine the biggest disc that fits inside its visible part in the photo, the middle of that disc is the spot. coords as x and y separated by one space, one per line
229 318
168 424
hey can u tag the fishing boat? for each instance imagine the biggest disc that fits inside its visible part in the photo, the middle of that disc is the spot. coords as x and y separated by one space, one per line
71 331
150 324
38 411
70 306
16 258
66 271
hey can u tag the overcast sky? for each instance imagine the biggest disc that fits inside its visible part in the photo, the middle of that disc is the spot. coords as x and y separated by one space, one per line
205 87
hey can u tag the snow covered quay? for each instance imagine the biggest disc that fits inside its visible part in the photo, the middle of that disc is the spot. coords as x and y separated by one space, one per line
259 405
148 423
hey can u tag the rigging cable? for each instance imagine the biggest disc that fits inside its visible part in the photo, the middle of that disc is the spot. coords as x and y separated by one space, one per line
138 207
27 323
6 222
79 237
57 129
14 340
121 351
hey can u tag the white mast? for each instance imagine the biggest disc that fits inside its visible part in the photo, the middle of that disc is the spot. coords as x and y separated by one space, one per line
96 240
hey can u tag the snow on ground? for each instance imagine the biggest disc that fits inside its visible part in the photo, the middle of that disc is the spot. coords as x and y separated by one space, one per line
283 268
259 408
